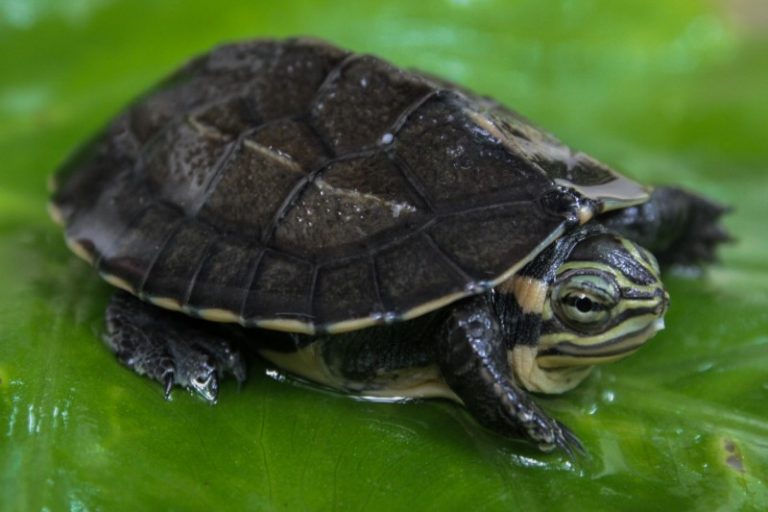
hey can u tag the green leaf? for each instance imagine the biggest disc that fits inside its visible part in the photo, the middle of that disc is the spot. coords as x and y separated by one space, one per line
670 92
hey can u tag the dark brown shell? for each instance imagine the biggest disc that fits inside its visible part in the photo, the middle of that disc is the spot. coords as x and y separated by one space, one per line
296 186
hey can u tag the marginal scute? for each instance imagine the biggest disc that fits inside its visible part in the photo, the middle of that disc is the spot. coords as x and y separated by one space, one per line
351 325
168 303
217 315
398 271
79 250
279 324
280 288
174 267
118 282
55 213
613 195
223 276
345 291
433 305
129 253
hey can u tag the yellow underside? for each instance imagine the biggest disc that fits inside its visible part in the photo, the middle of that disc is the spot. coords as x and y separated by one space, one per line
408 383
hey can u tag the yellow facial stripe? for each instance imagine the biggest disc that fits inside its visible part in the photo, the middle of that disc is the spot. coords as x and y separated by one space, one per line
530 293
634 324
610 352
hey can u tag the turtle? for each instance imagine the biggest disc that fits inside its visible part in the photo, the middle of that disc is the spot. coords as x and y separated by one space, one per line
379 231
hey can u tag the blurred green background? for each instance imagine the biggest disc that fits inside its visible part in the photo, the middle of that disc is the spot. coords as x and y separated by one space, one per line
671 92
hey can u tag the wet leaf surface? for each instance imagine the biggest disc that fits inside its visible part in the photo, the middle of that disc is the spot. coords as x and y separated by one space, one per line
670 92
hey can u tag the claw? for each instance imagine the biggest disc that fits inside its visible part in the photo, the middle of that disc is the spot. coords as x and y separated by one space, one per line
169 348
568 442
168 380
206 385
550 434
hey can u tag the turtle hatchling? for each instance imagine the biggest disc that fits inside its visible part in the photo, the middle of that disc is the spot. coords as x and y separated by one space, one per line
375 230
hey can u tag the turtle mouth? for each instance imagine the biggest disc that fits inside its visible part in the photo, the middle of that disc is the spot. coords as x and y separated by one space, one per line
567 354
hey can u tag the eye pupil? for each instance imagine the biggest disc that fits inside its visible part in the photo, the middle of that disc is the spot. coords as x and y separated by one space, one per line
583 304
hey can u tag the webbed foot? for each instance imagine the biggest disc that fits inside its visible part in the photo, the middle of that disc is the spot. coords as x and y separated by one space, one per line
700 231
518 414
169 347
680 228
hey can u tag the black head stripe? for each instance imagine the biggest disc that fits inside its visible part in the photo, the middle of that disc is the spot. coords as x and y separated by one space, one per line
523 328
625 262
528 329
635 294
606 348
609 250
544 266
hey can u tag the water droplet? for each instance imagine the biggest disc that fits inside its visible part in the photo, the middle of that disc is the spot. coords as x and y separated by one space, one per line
398 208
387 138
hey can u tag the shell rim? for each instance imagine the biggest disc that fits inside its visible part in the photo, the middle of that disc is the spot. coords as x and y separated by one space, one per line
221 315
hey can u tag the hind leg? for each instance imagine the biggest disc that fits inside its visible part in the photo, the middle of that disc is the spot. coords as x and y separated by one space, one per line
679 227
171 348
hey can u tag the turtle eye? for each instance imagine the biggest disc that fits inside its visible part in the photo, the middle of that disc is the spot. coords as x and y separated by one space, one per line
585 301
584 310
584 304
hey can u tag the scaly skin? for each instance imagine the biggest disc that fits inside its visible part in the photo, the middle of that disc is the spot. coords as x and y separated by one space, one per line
473 361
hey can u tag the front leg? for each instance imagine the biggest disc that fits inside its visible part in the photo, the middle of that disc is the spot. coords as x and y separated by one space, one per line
473 361
677 226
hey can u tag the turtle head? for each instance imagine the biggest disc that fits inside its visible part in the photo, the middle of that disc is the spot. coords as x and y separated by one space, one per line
606 301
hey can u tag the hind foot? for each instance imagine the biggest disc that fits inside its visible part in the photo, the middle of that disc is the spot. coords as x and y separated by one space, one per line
171 348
